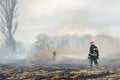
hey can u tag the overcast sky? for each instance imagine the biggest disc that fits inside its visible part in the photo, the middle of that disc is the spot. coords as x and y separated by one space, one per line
59 17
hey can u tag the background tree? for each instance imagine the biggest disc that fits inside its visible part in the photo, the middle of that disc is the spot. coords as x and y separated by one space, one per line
9 22
42 42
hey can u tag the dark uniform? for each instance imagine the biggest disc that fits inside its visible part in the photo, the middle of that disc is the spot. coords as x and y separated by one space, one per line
54 56
93 55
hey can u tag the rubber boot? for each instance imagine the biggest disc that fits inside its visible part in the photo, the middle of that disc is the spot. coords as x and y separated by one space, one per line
91 67
97 66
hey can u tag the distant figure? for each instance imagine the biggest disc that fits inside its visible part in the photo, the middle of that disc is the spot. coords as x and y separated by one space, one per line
93 54
54 56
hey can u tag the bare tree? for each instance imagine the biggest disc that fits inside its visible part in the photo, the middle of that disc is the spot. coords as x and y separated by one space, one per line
8 21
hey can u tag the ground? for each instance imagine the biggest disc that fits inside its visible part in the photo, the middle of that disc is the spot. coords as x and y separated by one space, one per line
57 72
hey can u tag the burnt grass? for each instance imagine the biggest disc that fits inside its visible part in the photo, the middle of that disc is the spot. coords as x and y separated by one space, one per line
57 72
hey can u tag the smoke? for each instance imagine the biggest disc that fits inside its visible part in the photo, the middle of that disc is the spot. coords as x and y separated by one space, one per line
69 39
63 24
74 49
8 56
79 22
71 49
108 46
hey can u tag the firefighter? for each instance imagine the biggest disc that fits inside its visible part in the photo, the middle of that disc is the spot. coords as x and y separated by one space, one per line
54 56
93 54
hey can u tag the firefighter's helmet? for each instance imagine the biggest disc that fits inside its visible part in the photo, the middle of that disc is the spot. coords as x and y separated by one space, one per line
91 42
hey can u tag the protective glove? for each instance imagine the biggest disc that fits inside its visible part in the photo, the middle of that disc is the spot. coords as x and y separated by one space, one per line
88 57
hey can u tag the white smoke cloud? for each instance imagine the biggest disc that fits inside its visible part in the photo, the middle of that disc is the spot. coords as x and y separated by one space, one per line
43 16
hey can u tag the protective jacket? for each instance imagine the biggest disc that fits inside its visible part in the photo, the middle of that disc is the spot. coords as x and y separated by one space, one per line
93 53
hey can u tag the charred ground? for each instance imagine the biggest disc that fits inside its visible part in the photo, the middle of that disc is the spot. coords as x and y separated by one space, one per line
58 72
